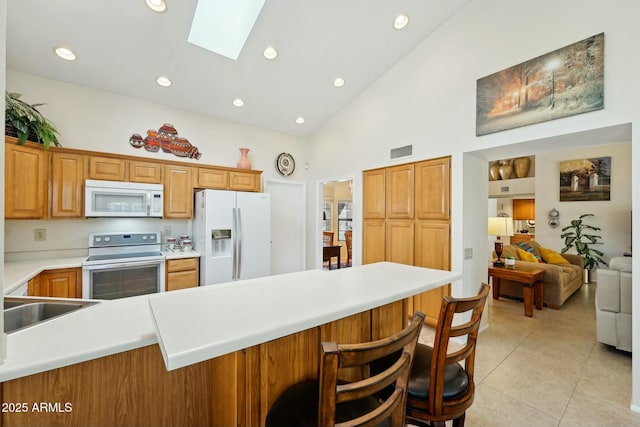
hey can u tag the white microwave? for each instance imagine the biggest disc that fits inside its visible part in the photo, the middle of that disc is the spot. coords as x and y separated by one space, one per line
122 199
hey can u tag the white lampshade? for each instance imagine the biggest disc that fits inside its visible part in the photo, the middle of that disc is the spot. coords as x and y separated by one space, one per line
500 226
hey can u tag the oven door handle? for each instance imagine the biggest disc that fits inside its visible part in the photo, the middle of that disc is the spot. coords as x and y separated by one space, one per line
121 265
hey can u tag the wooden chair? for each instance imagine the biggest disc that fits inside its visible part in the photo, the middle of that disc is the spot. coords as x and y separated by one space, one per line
347 238
440 388
331 401
327 238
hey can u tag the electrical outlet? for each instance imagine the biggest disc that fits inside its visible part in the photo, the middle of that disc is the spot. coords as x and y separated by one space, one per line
40 234
468 253
166 230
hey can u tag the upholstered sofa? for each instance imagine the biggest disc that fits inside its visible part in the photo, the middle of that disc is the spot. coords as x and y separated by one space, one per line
560 281
613 304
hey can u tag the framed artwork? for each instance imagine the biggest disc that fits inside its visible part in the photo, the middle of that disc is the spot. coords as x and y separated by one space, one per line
561 83
585 179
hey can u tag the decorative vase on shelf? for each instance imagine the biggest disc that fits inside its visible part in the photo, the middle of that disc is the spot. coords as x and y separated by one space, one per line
494 171
506 169
244 162
521 167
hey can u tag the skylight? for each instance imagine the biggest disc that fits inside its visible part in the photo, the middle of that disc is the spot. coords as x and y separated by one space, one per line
222 26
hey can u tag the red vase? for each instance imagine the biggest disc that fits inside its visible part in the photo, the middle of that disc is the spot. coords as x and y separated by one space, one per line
244 162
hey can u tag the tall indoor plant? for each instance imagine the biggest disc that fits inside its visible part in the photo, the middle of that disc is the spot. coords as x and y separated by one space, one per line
26 122
578 235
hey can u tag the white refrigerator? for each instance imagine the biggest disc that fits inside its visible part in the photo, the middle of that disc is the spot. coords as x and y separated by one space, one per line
232 233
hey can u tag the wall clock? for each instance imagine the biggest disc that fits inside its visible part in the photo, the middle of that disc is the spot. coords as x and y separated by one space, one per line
285 164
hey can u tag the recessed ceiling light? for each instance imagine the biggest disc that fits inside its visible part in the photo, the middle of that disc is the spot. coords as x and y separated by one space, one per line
65 53
163 81
157 5
300 120
238 102
400 22
270 52
338 82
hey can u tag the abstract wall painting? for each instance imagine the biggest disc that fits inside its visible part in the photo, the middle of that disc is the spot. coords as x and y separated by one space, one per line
562 83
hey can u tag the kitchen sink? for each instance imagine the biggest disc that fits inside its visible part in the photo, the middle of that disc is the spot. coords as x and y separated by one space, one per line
21 313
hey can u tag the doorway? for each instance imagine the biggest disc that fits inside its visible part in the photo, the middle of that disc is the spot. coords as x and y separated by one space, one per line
336 223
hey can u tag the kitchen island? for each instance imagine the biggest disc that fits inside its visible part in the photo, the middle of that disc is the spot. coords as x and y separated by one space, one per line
230 349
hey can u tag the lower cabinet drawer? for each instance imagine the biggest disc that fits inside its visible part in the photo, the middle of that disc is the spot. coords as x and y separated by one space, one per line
182 264
182 280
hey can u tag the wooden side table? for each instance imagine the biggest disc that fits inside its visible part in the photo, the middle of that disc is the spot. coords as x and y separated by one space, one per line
531 281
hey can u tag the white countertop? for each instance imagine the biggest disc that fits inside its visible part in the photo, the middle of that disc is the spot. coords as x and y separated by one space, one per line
202 323
18 272
100 330
180 254
237 315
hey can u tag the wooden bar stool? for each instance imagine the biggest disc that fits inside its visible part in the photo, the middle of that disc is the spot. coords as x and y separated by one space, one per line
331 401
441 389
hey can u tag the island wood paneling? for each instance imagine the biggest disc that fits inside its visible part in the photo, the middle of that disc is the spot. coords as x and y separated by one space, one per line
125 389
237 389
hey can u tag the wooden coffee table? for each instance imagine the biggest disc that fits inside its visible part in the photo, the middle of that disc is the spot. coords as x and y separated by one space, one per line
531 281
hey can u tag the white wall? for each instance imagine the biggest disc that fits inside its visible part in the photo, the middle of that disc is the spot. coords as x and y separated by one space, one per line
95 120
613 216
3 38
428 99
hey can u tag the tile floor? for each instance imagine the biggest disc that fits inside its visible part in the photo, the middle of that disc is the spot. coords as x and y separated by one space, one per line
548 370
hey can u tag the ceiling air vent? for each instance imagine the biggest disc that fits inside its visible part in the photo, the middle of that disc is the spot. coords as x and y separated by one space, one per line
397 153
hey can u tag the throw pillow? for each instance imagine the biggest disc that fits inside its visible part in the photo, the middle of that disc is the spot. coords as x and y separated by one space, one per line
530 249
527 256
552 257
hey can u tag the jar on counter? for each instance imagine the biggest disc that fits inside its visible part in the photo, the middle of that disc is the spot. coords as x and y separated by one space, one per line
171 243
187 245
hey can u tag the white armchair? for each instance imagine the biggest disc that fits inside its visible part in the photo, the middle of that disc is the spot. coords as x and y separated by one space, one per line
613 304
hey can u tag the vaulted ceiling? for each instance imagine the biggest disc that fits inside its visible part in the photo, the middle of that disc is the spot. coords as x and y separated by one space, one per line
122 46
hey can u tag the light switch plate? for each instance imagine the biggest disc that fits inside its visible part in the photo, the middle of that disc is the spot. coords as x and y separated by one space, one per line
468 253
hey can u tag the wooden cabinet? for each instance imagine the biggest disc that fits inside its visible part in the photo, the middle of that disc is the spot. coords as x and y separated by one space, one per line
178 192
106 168
61 283
399 192
244 181
430 240
374 194
181 273
41 184
67 183
524 209
213 178
407 219
25 186
147 172
373 241
399 242
432 189
519 238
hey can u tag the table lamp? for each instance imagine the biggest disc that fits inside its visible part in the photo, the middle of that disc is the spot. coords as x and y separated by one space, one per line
500 226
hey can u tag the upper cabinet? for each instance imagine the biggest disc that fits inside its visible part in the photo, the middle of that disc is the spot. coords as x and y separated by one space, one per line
524 209
106 168
149 173
49 183
178 192
244 181
399 192
25 185
67 183
374 193
433 186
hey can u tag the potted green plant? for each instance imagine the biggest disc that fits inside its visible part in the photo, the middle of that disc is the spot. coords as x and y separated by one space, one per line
25 122
578 235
